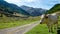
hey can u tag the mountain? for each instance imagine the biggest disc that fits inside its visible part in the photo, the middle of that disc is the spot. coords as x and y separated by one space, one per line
11 8
34 11
55 8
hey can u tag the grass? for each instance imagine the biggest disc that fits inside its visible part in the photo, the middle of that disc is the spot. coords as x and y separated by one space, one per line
8 22
41 29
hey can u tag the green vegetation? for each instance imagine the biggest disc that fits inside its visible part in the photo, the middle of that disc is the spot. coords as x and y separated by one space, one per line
40 29
55 8
7 22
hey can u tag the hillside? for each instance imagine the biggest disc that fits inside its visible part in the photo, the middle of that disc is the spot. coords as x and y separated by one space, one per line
54 9
33 11
11 8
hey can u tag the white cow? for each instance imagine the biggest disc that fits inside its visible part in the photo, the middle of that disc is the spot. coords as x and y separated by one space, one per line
50 20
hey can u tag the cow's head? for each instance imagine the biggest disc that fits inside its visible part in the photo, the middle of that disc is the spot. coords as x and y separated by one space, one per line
43 18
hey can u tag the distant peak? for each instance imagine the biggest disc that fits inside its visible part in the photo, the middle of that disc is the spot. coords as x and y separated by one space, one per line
25 6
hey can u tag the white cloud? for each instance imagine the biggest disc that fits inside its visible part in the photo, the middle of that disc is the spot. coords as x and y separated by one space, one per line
20 2
46 4
12 1
28 0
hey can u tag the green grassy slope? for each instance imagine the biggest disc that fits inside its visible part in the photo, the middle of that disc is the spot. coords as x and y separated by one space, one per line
55 8
8 22
40 29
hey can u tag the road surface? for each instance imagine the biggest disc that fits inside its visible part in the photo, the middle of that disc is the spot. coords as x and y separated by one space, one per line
20 29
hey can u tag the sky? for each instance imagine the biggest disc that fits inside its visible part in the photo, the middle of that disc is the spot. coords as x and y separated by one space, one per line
45 4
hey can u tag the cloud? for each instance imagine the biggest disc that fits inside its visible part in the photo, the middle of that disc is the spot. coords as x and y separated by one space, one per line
27 0
13 1
21 2
46 4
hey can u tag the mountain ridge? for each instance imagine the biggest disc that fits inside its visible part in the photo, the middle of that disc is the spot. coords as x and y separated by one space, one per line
10 8
33 11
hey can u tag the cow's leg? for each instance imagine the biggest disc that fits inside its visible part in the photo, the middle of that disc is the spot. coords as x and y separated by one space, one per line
52 27
49 27
56 27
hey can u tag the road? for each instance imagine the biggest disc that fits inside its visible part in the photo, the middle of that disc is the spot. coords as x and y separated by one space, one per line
20 29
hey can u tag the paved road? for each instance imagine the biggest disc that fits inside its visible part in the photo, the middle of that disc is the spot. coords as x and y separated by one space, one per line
20 29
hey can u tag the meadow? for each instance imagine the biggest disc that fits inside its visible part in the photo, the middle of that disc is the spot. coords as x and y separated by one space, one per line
8 22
